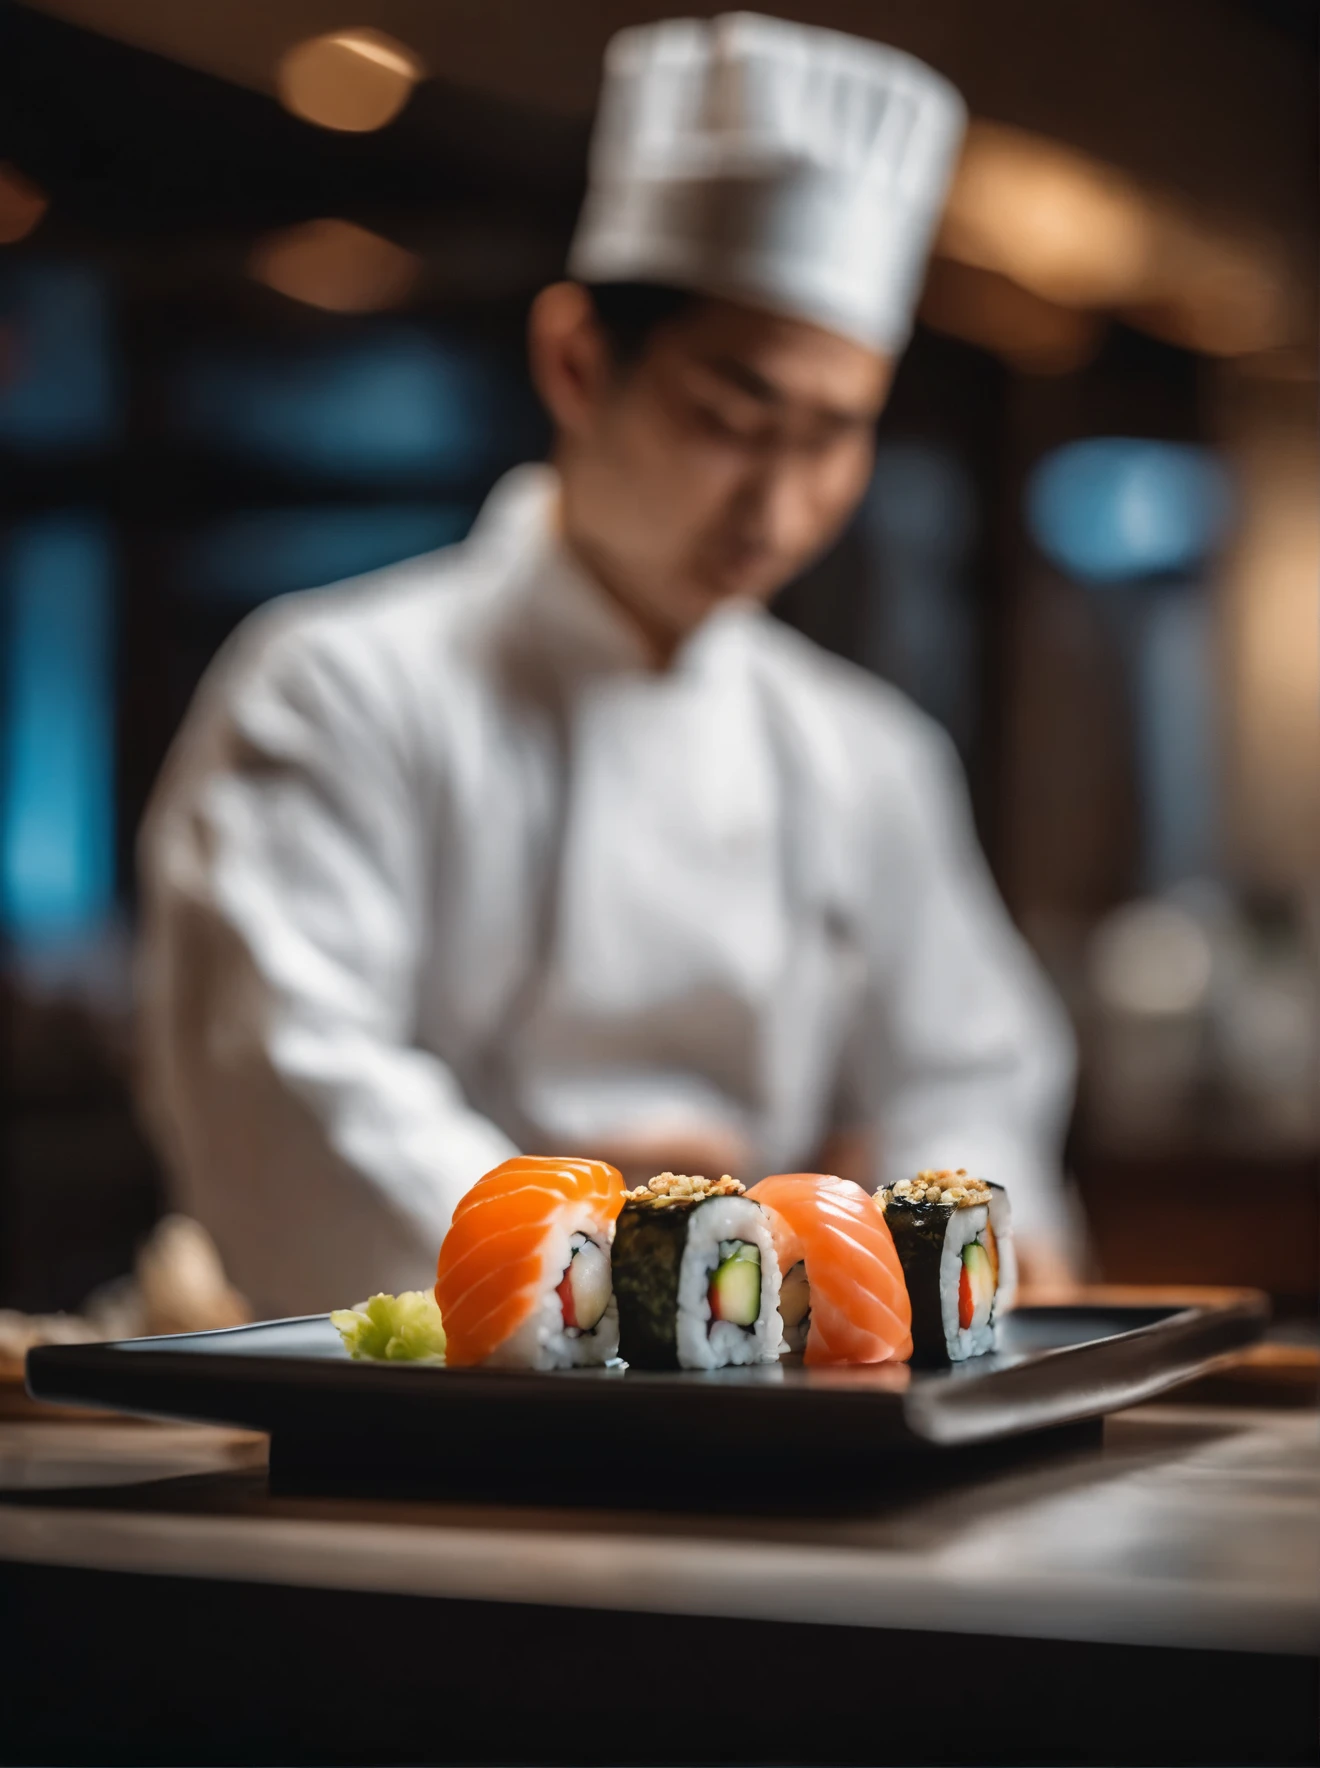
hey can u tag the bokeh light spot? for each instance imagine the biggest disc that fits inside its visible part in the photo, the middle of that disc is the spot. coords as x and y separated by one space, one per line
1113 509
355 80
400 405
337 266
1151 959
21 205
244 558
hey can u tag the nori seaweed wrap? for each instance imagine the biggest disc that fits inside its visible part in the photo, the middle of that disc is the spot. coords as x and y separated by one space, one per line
954 1240
695 1277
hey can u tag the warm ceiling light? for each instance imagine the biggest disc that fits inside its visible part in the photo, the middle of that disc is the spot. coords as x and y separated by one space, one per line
1058 223
1079 234
353 80
21 205
337 266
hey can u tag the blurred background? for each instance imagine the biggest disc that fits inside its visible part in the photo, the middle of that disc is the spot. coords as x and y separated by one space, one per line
264 270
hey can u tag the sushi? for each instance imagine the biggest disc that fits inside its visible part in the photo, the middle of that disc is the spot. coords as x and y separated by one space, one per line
695 1276
842 1295
524 1274
954 1237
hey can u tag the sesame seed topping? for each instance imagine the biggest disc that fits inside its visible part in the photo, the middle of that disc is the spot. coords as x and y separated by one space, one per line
952 1189
666 1190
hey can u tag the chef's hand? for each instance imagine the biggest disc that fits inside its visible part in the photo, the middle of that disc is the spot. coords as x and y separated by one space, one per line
711 1151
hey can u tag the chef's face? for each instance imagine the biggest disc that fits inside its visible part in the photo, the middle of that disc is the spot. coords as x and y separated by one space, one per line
716 465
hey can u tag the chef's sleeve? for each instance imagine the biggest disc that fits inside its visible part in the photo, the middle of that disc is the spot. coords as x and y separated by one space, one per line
285 922
967 1055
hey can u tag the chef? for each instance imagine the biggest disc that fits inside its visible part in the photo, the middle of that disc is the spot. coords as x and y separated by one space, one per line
555 840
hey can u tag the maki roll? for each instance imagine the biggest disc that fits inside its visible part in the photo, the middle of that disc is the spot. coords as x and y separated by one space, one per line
524 1273
842 1296
695 1276
955 1241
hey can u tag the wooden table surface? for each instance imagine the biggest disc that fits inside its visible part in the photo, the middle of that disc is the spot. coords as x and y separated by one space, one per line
1152 1597
1187 1526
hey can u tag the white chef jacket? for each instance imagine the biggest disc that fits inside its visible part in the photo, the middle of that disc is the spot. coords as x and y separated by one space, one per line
439 870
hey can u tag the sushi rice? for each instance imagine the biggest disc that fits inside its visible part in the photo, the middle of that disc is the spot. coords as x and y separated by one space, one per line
965 1226
704 1343
543 1341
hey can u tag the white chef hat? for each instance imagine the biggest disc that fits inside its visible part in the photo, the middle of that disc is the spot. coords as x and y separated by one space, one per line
794 168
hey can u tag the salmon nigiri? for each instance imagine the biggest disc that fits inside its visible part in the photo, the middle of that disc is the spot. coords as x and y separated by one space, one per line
524 1272
843 1291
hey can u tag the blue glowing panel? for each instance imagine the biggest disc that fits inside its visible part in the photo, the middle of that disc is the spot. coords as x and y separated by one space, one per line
245 559
57 388
400 403
1113 509
57 730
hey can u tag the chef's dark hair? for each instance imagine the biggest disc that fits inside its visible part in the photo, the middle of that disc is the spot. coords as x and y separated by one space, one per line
630 312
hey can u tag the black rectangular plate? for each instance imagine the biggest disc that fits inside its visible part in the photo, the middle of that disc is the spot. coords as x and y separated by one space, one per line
372 1424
